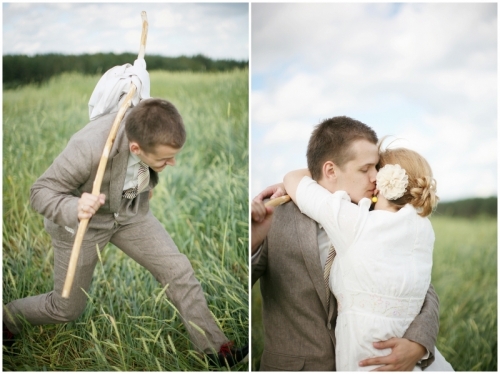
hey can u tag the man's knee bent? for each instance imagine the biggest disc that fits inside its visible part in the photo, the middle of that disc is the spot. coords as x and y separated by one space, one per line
67 310
69 315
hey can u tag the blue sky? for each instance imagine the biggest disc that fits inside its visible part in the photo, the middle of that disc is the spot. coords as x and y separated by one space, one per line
424 73
217 30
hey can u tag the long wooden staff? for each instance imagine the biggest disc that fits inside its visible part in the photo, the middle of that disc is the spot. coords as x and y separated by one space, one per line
102 166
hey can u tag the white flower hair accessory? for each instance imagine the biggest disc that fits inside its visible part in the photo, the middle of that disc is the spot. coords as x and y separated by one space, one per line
392 181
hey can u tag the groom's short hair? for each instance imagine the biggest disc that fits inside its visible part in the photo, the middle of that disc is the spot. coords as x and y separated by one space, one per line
331 141
155 122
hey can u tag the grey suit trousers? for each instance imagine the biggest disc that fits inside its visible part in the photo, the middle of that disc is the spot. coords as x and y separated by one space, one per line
146 242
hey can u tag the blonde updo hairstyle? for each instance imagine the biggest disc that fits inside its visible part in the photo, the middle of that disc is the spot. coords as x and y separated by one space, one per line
421 189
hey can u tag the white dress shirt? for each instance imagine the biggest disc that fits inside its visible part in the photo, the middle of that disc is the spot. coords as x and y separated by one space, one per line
131 178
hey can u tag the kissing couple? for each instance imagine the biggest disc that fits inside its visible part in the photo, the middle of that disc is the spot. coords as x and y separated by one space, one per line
345 268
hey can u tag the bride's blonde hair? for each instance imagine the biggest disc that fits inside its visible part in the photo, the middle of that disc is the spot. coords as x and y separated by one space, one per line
421 190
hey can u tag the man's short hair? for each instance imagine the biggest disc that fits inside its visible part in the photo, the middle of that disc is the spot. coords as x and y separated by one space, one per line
331 141
155 122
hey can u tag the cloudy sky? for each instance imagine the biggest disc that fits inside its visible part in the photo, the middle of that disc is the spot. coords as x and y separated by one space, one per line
425 73
215 30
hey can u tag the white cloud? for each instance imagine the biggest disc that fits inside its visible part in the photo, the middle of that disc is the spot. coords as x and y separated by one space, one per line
285 132
215 30
425 72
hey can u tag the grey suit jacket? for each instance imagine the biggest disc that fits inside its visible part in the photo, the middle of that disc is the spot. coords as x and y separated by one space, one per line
299 335
55 194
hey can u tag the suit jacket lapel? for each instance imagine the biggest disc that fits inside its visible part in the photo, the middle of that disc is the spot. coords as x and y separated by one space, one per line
118 168
306 230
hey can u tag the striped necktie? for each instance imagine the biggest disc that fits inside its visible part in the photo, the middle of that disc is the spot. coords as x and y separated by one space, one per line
142 182
326 273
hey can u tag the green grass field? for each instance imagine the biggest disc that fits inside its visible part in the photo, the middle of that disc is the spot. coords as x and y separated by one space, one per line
203 203
465 278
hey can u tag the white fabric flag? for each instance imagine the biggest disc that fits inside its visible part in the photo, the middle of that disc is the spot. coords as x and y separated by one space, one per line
114 84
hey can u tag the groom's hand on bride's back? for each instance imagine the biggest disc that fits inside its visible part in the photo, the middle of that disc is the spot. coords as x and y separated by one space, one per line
404 356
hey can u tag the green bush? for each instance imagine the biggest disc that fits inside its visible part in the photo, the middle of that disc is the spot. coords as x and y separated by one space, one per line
21 69
469 208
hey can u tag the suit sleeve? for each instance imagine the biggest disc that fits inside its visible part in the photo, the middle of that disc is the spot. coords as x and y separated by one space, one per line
55 194
424 328
259 262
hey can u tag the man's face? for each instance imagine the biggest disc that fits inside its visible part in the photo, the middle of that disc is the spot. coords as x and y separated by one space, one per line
357 177
159 158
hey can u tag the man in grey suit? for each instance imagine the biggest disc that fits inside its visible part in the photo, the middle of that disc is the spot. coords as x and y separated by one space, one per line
288 256
151 138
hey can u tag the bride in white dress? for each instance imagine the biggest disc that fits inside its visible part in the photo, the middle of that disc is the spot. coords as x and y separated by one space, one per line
382 269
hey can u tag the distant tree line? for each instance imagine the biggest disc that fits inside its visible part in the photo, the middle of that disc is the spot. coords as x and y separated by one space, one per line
469 208
22 69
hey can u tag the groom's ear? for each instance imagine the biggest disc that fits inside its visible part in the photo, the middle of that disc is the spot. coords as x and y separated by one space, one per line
134 148
329 170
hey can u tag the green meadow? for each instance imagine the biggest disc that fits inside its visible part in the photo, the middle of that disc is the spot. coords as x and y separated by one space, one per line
465 278
128 324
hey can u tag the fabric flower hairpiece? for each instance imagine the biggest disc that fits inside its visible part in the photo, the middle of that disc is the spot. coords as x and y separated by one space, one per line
392 181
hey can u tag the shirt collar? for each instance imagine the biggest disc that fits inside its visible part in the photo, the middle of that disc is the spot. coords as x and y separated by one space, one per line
133 159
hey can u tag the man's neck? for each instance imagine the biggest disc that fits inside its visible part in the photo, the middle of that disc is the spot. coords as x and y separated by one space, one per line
330 186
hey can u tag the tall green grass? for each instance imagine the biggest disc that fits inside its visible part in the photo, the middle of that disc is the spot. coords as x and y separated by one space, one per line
465 278
203 203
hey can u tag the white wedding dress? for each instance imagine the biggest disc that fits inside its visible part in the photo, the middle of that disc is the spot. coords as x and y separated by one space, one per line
380 275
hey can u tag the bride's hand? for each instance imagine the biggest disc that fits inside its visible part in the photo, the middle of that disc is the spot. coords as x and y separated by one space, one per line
272 192
404 356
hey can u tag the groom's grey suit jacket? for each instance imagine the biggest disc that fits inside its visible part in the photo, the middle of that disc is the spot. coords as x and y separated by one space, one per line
55 194
299 334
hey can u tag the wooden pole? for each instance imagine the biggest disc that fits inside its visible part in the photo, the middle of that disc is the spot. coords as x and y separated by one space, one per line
82 228
278 201
144 35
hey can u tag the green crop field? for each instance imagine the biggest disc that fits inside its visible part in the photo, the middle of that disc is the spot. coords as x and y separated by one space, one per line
203 203
465 278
